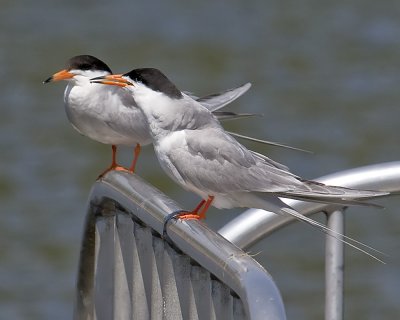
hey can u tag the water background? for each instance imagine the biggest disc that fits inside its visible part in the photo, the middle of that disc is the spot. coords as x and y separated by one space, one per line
325 75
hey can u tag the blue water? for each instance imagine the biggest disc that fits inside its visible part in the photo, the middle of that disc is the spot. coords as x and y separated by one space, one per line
325 76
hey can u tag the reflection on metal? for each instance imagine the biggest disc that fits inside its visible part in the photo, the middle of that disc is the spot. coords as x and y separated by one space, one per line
127 271
253 225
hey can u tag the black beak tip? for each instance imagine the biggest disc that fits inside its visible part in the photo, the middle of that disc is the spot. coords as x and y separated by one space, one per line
48 80
97 78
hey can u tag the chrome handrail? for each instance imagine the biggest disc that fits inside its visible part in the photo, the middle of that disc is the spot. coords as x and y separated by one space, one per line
121 202
253 225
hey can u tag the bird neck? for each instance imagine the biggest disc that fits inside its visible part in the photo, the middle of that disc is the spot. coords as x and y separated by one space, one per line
165 115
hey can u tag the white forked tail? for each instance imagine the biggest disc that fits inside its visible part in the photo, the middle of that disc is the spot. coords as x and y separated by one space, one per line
275 205
337 235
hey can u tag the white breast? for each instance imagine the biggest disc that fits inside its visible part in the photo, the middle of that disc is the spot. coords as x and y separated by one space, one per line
105 114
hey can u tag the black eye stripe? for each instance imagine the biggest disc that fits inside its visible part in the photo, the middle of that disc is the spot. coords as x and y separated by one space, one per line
87 62
85 67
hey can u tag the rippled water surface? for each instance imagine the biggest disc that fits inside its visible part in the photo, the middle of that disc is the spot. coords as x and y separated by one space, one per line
325 76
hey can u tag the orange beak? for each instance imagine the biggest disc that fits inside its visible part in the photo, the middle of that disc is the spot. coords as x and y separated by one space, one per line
61 75
113 80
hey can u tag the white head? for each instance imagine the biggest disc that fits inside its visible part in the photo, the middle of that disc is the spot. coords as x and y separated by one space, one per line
164 106
81 69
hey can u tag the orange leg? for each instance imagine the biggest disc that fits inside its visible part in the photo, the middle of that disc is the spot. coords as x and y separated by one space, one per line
185 215
192 214
135 157
196 210
199 212
114 165
202 213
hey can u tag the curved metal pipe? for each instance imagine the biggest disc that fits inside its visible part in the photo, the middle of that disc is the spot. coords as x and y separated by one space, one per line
121 200
255 224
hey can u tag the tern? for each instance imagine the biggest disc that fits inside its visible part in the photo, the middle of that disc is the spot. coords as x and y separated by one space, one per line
110 116
198 154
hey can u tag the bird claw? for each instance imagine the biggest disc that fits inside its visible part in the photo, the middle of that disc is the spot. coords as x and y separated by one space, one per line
113 168
181 214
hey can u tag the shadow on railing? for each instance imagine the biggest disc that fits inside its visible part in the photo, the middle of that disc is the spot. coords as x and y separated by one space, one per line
127 271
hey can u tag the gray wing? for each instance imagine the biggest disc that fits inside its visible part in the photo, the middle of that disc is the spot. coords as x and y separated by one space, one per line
229 115
271 143
128 120
216 101
219 100
214 161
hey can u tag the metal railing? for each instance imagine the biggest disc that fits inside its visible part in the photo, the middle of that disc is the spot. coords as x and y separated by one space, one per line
128 271
254 224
